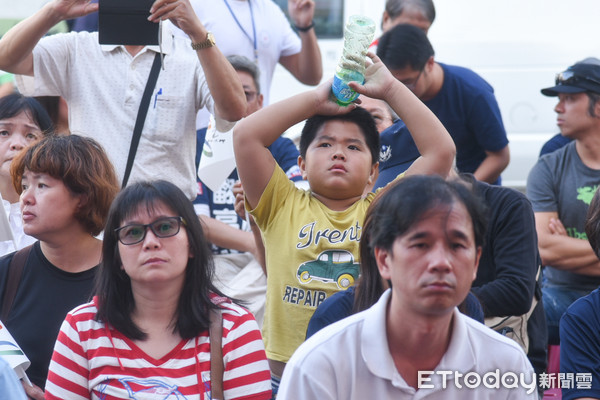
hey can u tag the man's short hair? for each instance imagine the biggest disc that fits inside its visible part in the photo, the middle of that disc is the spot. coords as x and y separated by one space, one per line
396 7
242 63
593 100
359 116
404 46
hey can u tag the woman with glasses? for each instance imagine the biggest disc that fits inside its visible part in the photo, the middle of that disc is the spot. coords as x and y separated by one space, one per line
66 185
147 328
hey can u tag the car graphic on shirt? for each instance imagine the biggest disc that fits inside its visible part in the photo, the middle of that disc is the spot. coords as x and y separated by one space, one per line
332 266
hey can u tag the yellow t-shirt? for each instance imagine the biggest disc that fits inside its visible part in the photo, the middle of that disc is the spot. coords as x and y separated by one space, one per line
311 253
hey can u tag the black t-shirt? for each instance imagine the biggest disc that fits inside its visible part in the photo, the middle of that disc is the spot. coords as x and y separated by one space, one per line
44 297
505 282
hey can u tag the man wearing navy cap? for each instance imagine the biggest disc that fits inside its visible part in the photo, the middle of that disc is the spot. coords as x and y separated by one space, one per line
561 186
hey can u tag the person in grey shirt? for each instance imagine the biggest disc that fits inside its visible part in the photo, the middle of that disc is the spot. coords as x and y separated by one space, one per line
561 186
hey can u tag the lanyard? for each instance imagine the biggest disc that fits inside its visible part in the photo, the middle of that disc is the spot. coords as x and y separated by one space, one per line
253 41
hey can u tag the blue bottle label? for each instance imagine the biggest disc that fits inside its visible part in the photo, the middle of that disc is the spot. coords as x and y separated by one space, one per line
342 92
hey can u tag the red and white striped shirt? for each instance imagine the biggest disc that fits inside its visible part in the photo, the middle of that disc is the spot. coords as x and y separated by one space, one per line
92 361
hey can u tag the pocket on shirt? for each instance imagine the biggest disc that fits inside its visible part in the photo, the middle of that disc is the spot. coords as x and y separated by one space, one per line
169 118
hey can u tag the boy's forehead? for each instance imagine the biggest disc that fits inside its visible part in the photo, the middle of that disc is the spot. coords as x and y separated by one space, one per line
340 130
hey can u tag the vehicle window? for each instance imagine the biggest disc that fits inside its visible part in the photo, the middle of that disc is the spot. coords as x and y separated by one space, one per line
342 257
329 17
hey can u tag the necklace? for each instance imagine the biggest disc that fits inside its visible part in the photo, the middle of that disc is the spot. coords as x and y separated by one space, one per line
251 39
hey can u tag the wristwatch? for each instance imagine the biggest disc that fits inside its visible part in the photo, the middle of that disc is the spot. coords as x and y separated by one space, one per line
208 42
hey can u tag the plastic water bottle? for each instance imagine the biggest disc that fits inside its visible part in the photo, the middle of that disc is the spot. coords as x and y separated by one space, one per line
358 35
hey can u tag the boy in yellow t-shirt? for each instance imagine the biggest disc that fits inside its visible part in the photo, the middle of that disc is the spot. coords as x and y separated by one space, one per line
311 237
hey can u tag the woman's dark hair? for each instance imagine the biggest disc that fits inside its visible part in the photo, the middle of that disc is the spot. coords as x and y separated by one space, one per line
16 103
592 223
401 205
82 165
359 116
113 286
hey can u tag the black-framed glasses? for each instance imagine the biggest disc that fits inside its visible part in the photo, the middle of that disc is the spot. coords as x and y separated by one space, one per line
162 228
413 84
250 95
570 77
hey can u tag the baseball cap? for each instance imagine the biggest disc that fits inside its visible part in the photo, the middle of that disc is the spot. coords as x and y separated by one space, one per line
397 153
583 76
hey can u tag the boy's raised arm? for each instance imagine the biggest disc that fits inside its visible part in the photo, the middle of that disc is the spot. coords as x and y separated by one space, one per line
252 135
433 140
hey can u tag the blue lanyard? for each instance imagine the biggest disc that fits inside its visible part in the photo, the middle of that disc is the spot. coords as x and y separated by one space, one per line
253 41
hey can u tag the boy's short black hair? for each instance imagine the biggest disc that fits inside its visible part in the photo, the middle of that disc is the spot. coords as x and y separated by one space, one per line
359 116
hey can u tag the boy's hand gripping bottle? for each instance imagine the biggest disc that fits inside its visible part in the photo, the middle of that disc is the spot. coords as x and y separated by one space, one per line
358 35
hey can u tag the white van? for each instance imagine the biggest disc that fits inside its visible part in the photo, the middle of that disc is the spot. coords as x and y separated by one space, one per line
518 46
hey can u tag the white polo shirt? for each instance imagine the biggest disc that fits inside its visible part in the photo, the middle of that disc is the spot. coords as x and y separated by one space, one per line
275 38
350 360
103 87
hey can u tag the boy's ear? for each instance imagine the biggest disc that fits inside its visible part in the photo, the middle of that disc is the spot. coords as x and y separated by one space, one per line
374 173
302 166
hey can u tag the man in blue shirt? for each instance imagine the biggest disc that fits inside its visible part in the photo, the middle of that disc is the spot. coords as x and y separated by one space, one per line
462 100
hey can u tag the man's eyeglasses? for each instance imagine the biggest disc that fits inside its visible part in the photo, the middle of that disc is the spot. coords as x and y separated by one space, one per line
413 84
162 228
250 95
570 77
